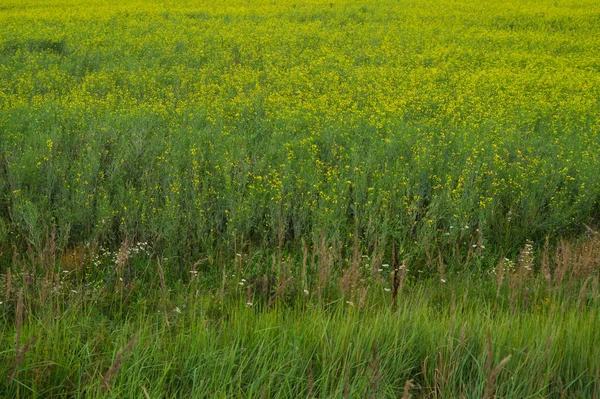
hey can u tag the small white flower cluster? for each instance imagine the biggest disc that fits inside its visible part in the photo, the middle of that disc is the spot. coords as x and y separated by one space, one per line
140 248
507 266
526 256
96 261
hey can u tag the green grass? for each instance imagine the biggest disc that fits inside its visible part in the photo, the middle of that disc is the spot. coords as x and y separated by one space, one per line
439 338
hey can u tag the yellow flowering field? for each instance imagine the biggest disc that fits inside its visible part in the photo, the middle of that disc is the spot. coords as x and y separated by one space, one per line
216 124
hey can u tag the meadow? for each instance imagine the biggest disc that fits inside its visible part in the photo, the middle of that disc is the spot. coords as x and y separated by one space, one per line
282 198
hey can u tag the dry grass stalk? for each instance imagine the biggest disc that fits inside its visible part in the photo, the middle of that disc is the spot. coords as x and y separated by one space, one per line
490 354
325 260
45 284
583 294
280 288
193 270
265 285
526 259
428 257
349 280
492 373
458 255
396 277
280 233
146 394
163 288
548 348
313 256
439 375
375 374
441 267
161 277
407 387
499 276
463 394
346 394
122 355
514 287
49 253
263 391
8 285
304 273
424 372
374 255
21 355
545 262
403 273
355 259
462 335
376 260
31 254
562 261
19 319
15 256
595 284
591 231
480 245
361 298
311 380
490 385
249 296
73 259
123 256
469 256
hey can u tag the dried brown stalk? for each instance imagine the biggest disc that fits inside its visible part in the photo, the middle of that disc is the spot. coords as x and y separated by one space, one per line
19 319
407 387
311 380
21 355
375 372
396 280
8 285
492 373
122 355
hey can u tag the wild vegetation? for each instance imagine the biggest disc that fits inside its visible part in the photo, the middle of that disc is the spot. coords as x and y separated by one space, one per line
289 198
